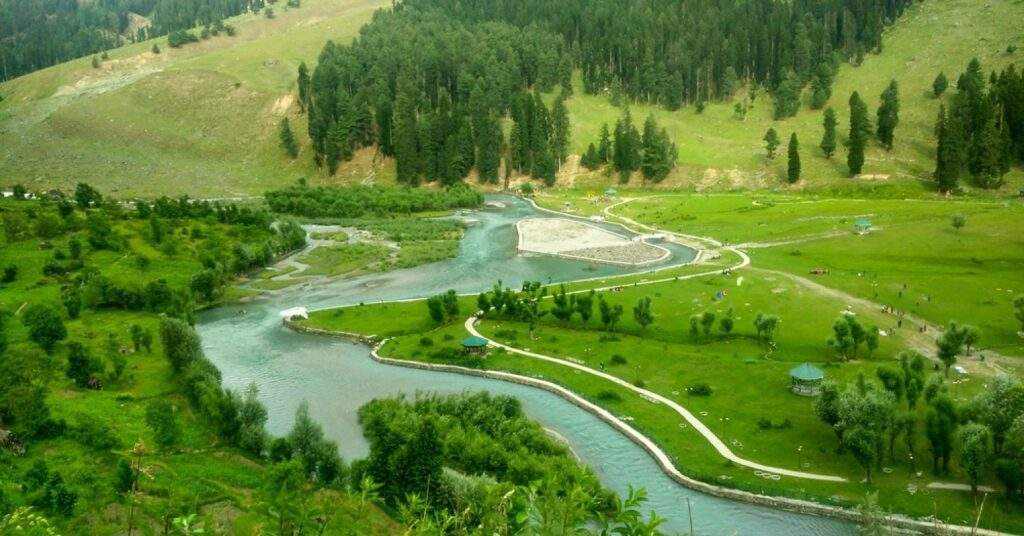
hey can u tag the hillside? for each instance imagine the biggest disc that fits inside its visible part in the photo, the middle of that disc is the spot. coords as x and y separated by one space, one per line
203 118
200 119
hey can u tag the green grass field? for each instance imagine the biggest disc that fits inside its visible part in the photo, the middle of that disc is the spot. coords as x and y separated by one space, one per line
749 383
720 152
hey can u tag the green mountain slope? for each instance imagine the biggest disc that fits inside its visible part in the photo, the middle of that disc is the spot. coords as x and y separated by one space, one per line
200 119
203 119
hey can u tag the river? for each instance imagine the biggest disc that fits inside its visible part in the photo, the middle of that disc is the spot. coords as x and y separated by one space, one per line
249 343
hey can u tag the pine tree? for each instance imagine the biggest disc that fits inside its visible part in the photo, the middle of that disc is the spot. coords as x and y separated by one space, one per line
787 96
939 85
771 142
821 85
560 129
793 170
337 139
406 133
604 148
828 139
888 115
626 147
947 173
590 159
383 119
288 139
860 128
489 150
303 83
987 154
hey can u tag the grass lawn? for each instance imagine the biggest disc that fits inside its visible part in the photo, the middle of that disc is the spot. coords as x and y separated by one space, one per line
908 261
341 259
747 388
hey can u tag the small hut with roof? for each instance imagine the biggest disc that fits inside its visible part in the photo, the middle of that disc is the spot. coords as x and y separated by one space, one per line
806 379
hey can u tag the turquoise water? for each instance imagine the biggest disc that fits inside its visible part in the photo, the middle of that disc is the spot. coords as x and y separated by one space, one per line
248 343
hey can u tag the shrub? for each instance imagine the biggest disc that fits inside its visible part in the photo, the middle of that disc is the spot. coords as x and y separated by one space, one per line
639 383
426 341
700 389
608 396
10 273
94 433
618 360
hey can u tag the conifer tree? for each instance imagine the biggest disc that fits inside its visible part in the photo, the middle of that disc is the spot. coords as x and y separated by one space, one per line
303 83
828 139
860 128
337 140
407 160
821 85
489 150
288 139
771 142
987 155
793 169
888 115
590 159
939 85
626 147
560 129
604 148
945 173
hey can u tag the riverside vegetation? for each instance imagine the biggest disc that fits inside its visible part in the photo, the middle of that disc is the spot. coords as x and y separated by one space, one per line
110 404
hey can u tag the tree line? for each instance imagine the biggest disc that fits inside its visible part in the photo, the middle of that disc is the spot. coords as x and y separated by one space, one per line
673 52
980 134
359 201
35 34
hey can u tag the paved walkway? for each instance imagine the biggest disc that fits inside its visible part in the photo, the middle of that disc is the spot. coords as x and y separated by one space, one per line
693 421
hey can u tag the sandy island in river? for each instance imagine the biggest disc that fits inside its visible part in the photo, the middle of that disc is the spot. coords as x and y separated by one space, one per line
578 240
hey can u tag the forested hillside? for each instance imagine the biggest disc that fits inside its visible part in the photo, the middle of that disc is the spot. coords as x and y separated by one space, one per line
430 82
38 33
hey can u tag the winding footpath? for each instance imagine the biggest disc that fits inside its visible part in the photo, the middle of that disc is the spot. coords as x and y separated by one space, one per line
693 421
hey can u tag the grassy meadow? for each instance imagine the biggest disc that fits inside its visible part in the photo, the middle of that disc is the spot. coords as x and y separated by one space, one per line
717 151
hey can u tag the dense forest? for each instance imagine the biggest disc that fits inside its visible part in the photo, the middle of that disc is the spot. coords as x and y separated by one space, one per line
35 34
433 83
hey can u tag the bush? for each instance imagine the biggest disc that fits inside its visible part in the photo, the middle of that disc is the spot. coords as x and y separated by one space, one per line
94 433
426 341
608 396
700 389
10 273
618 360
639 383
